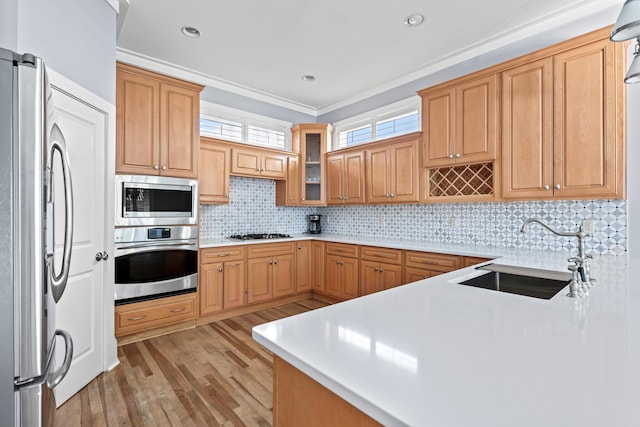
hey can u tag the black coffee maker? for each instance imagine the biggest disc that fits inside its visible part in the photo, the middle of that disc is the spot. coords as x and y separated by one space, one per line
314 224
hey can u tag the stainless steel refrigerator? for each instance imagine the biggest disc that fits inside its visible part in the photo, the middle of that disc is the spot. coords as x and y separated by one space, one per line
31 148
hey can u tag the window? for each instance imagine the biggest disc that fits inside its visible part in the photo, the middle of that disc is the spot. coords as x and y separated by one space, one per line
221 122
222 129
396 119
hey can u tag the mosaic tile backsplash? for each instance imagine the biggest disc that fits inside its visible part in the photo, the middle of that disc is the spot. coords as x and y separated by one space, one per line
252 209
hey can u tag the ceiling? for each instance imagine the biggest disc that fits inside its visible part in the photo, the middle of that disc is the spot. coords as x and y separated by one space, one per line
354 48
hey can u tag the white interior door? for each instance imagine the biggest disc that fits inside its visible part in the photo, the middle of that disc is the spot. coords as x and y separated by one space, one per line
80 310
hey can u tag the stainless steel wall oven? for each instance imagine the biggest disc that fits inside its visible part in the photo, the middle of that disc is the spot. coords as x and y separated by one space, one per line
155 261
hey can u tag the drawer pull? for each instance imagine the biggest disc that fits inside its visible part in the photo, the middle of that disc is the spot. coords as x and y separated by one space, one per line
221 255
133 319
234 265
178 310
430 262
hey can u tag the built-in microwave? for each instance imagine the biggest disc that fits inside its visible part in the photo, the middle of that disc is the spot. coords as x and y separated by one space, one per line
155 200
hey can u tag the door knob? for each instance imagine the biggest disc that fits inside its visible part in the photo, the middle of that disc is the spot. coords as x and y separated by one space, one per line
557 186
155 167
102 256
164 167
546 187
451 156
457 155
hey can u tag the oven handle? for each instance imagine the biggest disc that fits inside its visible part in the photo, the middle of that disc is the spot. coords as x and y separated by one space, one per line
156 244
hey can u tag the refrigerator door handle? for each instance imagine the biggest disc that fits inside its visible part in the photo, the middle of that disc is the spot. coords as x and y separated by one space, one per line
59 281
54 378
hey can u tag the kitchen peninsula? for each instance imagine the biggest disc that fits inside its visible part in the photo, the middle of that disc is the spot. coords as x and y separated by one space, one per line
438 353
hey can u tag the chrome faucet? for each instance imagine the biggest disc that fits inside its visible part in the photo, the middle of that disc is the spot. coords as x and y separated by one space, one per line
581 279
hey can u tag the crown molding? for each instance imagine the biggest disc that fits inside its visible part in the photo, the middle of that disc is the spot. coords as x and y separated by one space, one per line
163 67
602 12
598 12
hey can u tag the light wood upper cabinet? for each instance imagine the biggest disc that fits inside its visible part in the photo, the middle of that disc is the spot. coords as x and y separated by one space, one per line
258 163
393 172
527 130
588 136
157 124
213 171
345 178
311 141
459 122
562 134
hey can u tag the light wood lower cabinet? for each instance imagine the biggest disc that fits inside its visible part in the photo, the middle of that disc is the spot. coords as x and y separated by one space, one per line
376 276
317 266
304 268
222 278
341 270
429 264
341 277
146 315
468 261
270 276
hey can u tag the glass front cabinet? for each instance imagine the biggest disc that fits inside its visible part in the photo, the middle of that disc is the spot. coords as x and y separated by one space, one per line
310 142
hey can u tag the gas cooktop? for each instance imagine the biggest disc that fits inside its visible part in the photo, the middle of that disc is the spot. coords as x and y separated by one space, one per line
259 236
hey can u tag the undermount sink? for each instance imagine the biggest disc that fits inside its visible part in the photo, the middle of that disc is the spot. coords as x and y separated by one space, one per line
525 281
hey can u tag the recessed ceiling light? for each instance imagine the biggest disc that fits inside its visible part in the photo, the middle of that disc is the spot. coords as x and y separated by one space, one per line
192 32
308 78
414 20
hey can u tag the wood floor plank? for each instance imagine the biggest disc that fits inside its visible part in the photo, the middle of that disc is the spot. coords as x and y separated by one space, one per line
211 375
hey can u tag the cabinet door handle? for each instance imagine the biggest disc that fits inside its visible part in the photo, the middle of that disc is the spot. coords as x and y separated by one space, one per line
451 156
220 269
557 186
299 247
133 319
270 262
375 268
303 199
392 195
458 155
177 310
156 167
546 187
381 270
275 262
164 167
226 195
290 197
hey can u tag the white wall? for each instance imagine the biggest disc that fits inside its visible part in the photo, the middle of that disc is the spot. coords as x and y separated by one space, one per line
9 24
75 38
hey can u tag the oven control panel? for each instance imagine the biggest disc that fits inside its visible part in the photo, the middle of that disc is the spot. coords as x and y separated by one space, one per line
158 233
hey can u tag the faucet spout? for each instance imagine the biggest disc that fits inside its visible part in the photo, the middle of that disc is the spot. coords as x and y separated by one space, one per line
580 234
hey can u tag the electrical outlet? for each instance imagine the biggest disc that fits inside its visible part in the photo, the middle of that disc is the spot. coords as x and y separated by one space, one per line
588 226
454 222
326 219
381 220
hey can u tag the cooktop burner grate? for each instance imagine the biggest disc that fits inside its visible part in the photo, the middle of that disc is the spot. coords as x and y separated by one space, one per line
256 236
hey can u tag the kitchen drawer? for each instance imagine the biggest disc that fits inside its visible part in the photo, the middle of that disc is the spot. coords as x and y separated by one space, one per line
271 249
141 316
231 253
389 256
432 261
342 249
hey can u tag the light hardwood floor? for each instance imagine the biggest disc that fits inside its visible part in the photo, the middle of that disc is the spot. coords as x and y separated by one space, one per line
214 374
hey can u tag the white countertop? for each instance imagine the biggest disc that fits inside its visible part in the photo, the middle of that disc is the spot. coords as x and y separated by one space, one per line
441 354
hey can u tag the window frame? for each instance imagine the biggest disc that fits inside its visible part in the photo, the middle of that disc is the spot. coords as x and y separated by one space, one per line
373 117
209 110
